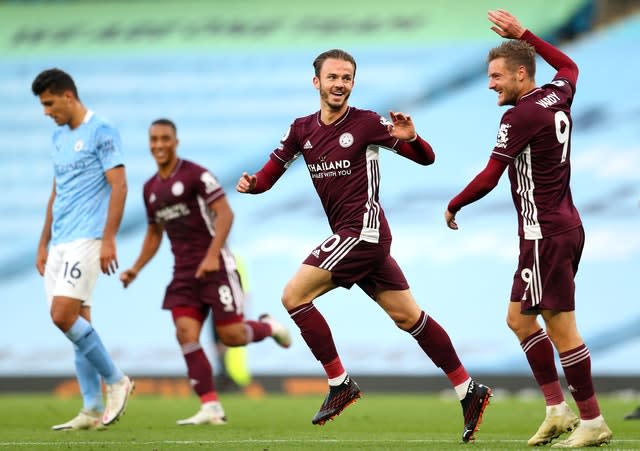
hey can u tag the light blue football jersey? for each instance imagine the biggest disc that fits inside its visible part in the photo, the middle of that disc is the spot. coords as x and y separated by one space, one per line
80 158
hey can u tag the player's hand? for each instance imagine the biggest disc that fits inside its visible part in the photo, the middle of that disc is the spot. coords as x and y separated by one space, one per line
41 259
128 276
207 265
247 183
506 25
108 258
401 126
450 219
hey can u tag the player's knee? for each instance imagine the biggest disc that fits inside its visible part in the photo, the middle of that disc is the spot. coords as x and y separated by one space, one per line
186 335
289 300
519 327
235 337
403 320
62 320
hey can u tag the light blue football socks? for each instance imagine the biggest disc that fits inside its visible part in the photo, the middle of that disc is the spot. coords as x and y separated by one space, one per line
84 336
89 381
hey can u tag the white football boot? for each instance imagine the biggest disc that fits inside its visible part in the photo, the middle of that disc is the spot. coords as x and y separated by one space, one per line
591 433
278 331
117 397
209 413
85 420
559 420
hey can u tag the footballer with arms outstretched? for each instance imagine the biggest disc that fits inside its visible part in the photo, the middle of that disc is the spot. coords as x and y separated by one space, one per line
340 146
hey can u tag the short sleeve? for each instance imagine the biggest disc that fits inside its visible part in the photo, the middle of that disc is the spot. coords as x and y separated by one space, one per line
513 136
380 133
209 188
289 149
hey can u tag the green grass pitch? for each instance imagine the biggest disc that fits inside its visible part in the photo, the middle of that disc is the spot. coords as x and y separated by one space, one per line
281 422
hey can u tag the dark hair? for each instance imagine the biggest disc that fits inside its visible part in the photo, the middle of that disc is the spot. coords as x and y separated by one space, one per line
337 54
55 80
164 121
516 53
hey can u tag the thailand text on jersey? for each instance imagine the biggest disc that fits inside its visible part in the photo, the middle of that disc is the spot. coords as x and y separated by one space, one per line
534 139
342 160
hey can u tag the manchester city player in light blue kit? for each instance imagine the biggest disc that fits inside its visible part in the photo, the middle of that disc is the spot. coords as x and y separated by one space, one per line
79 239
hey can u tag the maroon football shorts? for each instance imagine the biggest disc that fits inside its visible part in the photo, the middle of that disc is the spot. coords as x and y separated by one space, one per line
546 270
218 291
353 261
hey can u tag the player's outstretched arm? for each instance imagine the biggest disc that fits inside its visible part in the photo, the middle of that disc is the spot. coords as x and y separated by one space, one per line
262 180
150 245
506 24
411 146
479 187
247 183
402 126
43 245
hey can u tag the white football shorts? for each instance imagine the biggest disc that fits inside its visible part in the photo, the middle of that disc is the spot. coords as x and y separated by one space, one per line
72 270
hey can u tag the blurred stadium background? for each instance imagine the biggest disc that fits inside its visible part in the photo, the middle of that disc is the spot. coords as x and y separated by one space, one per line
233 75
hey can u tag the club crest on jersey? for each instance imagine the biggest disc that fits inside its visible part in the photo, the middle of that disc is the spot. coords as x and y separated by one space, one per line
79 145
346 140
177 189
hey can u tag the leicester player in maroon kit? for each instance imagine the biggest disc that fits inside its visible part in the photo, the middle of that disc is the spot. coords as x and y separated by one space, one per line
340 146
186 200
534 144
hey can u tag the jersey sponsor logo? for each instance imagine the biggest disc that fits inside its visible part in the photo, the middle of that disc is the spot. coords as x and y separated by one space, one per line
152 198
210 182
549 100
329 168
79 145
346 140
172 212
307 145
177 188
503 136
61 169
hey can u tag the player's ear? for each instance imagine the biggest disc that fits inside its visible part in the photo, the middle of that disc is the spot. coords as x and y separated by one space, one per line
316 82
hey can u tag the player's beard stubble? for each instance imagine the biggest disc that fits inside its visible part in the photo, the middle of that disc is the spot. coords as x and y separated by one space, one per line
325 96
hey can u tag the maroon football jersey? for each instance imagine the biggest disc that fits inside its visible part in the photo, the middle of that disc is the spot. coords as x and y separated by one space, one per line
534 139
342 159
180 204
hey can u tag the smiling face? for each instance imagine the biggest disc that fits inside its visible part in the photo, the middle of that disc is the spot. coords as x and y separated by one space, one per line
509 84
335 84
163 144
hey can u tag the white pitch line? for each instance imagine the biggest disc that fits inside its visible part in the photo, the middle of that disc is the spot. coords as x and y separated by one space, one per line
254 441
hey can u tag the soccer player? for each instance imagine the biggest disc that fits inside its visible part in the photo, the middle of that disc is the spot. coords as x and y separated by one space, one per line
340 146
534 144
187 201
82 218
